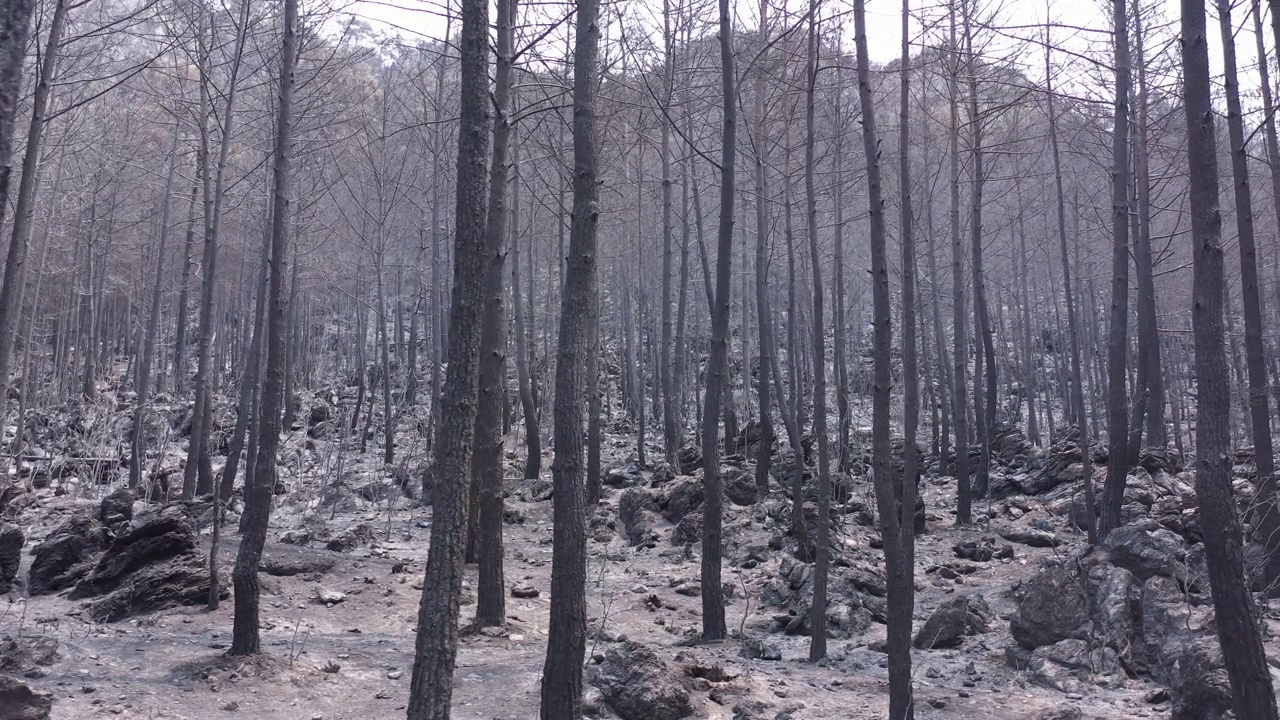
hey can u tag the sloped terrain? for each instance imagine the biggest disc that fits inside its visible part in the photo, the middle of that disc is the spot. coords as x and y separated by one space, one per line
1016 619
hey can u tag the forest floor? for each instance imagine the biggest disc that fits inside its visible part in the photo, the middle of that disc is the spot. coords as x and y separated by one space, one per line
351 660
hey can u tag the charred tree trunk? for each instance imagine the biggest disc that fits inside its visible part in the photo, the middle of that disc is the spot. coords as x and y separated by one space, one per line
245 639
713 622
1251 689
566 638
435 652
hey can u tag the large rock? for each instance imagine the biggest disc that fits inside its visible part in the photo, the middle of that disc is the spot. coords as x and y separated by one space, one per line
28 654
855 596
682 498
152 538
623 476
1082 599
1069 665
689 458
638 685
351 538
952 621
1146 550
1200 689
1031 537
65 556
11 541
181 581
1180 651
633 511
18 701
739 485
116 509
1008 443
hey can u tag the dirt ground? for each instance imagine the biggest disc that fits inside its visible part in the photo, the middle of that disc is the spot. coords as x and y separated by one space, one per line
351 660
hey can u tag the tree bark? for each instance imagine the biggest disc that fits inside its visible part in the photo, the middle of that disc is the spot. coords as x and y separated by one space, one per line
1251 690
1267 518
24 208
566 638
822 564
487 461
960 348
713 622
15 28
1118 324
435 652
245 639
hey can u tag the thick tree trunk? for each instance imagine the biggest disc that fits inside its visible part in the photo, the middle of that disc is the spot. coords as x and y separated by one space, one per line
435 652
1267 519
670 420
764 316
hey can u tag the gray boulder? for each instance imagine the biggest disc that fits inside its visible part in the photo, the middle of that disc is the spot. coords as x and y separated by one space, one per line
153 538
638 685
18 701
65 556
633 511
952 621
1146 550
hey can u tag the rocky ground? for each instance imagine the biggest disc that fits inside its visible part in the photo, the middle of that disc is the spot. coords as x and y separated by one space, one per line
1016 619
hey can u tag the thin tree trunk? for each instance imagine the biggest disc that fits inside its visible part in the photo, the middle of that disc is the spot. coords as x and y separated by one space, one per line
24 208
1118 324
566 637
487 461
822 564
713 621
1246 662
1267 520
153 320
964 512
1077 377
245 639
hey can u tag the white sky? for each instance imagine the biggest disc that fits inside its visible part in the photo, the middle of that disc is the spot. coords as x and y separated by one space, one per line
1081 29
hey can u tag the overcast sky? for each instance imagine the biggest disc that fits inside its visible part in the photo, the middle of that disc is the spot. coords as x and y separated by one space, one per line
1080 29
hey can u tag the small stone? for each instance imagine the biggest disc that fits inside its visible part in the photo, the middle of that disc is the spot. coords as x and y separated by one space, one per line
395 674
1155 697
231 706
938 703
330 597
639 589
963 693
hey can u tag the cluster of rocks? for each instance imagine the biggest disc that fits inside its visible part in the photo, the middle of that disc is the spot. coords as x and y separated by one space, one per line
855 597
122 565
1136 605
